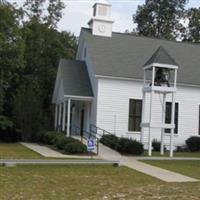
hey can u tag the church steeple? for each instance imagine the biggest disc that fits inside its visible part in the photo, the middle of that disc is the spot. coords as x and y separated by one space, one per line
101 22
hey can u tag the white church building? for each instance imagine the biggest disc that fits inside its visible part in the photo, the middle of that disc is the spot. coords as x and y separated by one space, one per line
104 87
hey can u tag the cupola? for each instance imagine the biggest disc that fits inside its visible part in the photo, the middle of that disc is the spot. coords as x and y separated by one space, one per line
101 22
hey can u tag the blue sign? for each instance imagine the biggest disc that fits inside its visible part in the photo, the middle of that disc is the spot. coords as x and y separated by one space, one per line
90 145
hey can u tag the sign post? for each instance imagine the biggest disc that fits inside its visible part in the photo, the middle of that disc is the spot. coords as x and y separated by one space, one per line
90 145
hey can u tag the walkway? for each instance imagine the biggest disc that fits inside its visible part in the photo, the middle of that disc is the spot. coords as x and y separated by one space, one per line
50 153
166 158
131 162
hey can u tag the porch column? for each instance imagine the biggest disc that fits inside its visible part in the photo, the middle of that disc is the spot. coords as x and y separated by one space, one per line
150 113
88 117
59 116
68 116
143 117
64 116
172 130
56 117
163 122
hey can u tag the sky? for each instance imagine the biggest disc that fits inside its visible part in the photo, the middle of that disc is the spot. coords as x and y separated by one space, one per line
78 12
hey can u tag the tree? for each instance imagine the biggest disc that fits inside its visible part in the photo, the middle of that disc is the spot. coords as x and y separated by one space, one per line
159 18
30 49
192 32
45 45
11 56
50 14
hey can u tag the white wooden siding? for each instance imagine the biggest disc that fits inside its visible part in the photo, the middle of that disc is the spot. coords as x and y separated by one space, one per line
113 109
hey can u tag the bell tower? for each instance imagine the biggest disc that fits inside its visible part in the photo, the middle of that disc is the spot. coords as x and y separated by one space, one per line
101 22
160 77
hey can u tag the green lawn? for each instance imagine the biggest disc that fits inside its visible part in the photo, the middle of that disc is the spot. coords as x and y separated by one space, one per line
17 151
188 168
176 154
88 182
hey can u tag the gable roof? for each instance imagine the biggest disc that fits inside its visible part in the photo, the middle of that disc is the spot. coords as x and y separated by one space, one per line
123 55
161 56
75 78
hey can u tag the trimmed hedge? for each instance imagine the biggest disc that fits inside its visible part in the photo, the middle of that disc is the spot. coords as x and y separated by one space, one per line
75 147
123 145
193 143
61 142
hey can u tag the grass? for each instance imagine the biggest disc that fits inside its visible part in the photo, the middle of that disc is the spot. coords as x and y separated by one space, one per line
88 182
17 151
176 154
188 168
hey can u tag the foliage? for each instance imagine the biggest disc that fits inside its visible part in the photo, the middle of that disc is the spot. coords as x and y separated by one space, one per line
28 110
5 123
8 133
11 56
193 143
156 145
61 142
110 141
192 32
122 145
30 49
160 19
129 146
75 147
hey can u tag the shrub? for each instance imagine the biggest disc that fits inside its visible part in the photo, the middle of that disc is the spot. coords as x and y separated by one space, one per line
183 148
62 141
156 145
8 132
122 145
110 141
129 146
193 143
75 147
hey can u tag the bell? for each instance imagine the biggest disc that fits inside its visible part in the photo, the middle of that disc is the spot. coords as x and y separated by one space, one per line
162 77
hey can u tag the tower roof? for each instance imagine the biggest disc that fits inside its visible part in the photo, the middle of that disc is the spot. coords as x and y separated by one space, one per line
103 2
161 56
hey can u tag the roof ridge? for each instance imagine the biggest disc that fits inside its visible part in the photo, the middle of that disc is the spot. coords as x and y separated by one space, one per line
152 38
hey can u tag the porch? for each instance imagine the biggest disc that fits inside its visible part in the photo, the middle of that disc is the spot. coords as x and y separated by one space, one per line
73 113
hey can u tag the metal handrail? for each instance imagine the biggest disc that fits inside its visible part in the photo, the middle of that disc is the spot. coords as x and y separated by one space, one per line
87 135
104 133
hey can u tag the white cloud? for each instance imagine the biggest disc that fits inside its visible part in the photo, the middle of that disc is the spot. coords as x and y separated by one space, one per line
78 13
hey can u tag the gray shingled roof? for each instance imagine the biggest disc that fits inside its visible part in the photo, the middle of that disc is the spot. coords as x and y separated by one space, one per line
75 78
124 55
161 56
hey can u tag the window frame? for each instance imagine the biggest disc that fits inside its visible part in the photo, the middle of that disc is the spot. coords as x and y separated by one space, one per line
176 117
134 116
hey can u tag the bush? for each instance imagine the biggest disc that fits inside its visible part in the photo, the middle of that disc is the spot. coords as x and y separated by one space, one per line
129 146
75 147
8 132
110 141
59 140
62 141
156 145
193 143
122 145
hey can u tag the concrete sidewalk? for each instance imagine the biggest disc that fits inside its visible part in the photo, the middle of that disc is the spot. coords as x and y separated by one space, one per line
166 158
132 162
50 153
